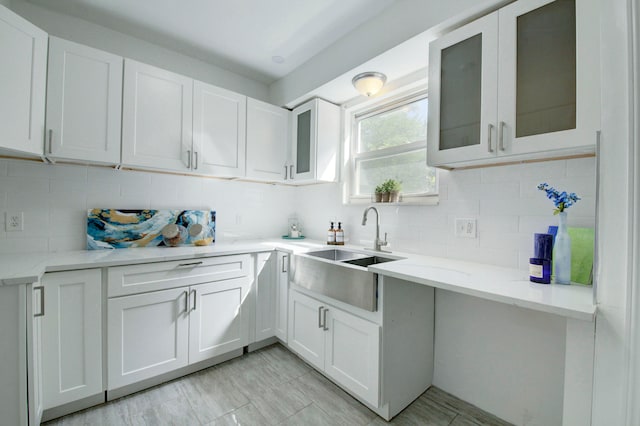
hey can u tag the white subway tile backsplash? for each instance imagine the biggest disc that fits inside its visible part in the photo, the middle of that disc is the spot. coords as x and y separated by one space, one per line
504 200
581 167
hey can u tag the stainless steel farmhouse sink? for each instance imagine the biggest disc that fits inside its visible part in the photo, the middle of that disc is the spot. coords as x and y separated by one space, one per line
339 274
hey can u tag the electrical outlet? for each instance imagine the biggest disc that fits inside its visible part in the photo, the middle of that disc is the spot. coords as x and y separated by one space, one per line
14 221
466 228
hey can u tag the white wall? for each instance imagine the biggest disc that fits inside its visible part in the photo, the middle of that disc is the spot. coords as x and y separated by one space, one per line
508 206
396 24
54 199
93 35
507 360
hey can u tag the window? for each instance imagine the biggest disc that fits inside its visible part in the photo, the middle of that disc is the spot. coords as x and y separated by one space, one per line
390 142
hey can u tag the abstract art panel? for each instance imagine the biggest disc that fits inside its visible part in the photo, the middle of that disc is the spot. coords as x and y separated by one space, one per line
114 229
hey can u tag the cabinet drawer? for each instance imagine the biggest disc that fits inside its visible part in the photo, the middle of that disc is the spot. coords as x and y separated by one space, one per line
132 279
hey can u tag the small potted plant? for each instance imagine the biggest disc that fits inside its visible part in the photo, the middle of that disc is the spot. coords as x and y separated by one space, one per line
378 191
391 191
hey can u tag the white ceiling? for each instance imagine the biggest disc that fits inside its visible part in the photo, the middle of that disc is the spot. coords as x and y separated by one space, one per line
239 35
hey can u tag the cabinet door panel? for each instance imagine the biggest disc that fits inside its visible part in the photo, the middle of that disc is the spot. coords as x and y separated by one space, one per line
157 118
282 296
23 49
72 336
267 137
548 93
217 319
352 354
306 336
147 335
462 85
304 141
34 353
265 290
219 126
84 101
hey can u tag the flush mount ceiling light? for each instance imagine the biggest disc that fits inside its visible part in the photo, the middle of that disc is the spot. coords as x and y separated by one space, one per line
369 83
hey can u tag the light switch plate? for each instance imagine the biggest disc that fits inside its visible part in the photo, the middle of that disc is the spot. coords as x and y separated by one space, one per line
466 227
14 221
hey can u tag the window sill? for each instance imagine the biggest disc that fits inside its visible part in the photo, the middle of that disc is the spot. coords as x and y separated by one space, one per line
426 200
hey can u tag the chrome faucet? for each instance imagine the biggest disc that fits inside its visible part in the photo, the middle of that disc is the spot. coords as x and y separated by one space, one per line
378 243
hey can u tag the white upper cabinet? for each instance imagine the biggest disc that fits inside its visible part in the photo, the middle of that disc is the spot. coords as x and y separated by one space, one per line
157 118
315 141
219 126
267 139
23 49
536 58
463 65
84 103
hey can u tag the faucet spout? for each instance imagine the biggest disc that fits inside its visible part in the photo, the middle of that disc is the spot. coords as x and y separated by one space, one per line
378 243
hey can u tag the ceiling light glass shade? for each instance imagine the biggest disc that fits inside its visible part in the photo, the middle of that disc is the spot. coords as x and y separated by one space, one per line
369 83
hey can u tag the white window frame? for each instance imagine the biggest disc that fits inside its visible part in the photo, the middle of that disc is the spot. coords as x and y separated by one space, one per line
370 109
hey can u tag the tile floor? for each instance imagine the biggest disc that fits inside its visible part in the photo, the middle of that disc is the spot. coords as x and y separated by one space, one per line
267 387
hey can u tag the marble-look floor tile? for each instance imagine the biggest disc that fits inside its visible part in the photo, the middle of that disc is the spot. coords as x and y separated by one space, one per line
247 415
176 412
150 398
424 412
287 365
251 374
311 415
211 395
445 399
464 420
280 402
112 413
321 391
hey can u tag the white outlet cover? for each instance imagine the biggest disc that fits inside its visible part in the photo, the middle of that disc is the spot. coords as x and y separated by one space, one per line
466 227
14 221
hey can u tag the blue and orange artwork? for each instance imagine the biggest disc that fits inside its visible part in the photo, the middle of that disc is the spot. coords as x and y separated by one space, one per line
115 229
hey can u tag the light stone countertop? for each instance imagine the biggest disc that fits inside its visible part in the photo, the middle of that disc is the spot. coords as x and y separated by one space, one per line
504 285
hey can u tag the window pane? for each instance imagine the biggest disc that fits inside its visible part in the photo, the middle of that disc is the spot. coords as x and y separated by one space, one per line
398 126
409 168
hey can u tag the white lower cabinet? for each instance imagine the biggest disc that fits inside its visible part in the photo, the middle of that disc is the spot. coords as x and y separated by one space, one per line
282 295
345 347
35 312
147 335
216 321
266 293
156 332
71 336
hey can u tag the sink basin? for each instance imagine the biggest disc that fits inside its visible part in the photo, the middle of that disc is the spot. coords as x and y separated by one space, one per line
366 261
337 254
339 274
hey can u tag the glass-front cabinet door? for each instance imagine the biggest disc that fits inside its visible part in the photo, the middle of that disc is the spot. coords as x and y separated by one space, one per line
304 142
463 81
549 76
523 81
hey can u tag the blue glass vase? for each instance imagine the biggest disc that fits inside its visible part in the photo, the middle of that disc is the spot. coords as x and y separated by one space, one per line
562 252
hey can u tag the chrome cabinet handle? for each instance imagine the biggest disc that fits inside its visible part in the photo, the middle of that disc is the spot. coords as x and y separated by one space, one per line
41 290
324 326
50 141
196 160
188 159
501 135
195 299
285 172
186 302
489 138
284 262
320 325
291 171
190 264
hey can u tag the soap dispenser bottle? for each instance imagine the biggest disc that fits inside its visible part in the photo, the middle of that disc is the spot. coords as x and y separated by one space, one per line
340 235
331 235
